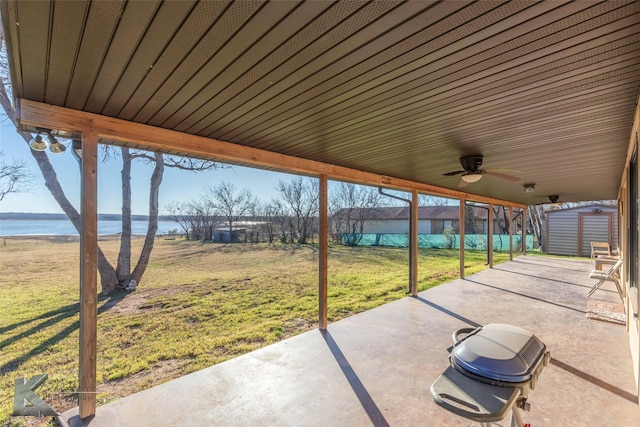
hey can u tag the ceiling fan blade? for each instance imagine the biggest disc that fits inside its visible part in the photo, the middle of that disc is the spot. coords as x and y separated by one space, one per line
453 173
503 176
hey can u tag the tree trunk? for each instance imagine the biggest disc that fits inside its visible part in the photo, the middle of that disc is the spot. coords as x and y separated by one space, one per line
537 218
156 180
470 220
124 255
502 219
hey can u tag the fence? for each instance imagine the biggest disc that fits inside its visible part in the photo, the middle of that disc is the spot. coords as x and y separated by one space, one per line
471 241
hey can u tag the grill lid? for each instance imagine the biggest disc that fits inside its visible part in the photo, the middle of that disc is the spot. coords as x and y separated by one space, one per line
499 352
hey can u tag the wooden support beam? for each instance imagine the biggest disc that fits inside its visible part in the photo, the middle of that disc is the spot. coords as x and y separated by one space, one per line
413 245
490 235
121 132
88 276
524 231
323 253
510 233
461 226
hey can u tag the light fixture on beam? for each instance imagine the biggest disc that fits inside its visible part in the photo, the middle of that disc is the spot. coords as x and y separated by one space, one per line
38 144
54 145
529 188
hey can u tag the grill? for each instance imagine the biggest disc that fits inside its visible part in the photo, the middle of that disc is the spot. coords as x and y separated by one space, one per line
492 370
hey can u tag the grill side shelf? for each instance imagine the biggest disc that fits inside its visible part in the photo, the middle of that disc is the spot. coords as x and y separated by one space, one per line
472 399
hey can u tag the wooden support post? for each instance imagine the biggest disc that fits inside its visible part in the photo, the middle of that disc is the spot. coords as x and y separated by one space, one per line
413 244
490 235
323 253
461 226
88 276
510 233
524 231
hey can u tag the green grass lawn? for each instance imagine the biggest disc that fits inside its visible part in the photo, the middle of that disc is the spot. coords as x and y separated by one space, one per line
198 305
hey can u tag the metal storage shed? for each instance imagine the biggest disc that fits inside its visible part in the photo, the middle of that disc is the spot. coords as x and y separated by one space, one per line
570 231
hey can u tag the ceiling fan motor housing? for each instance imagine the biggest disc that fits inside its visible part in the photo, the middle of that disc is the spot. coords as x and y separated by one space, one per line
471 163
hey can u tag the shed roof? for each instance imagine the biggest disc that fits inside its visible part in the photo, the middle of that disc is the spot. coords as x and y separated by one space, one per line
603 207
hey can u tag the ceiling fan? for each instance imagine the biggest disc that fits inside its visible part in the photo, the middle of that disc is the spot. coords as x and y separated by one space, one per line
472 173
555 201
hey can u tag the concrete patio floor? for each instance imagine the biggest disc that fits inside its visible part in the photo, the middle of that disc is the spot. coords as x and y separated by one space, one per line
376 368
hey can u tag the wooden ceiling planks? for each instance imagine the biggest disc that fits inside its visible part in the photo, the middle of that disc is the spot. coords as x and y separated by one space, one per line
66 30
425 88
243 68
34 60
198 59
134 23
397 88
102 19
182 44
161 30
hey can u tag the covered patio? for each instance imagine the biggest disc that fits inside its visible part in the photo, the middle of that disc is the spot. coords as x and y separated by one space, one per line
391 94
375 368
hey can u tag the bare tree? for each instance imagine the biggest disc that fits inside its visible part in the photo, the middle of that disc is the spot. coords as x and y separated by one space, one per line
204 220
197 218
428 200
501 216
300 196
283 221
179 211
159 162
121 276
267 215
351 206
14 176
470 225
537 219
230 203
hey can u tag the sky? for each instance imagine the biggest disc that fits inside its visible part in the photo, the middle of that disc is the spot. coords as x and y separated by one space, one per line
177 185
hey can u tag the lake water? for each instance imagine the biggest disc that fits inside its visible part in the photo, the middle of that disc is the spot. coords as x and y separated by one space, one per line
10 227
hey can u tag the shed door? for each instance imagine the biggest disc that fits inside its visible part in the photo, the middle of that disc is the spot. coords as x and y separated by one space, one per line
594 227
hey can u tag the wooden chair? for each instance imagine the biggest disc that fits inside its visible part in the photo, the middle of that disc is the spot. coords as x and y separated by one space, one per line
600 248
